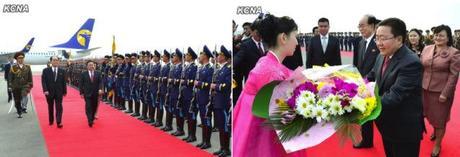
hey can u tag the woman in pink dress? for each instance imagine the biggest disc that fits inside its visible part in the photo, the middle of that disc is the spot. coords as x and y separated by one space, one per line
251 138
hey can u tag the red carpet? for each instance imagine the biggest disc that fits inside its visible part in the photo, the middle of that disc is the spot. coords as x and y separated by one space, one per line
113 134
450 144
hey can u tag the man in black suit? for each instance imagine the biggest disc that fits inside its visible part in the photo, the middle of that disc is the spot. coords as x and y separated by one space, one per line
294 61
398 74
7 72
90 86
323 48
364 59
245 60
54 87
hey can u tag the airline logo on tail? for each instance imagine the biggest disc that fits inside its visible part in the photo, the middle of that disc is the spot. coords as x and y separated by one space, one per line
81 39
28 46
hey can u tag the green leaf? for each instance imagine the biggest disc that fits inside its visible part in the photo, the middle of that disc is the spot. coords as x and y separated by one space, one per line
377 109
261 102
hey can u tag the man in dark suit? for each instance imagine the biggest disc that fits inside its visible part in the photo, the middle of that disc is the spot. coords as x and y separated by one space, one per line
54 87
90 86
7 72
323 48
245 60
294 61
364 59
398 74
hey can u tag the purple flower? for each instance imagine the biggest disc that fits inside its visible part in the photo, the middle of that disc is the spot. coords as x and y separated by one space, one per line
307 86
326 90
345 88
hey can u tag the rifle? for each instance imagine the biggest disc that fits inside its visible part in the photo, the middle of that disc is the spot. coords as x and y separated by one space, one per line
159 86
209 107
194 91
168 84
179 98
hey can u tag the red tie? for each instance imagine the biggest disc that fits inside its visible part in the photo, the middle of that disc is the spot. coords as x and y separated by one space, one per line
385 64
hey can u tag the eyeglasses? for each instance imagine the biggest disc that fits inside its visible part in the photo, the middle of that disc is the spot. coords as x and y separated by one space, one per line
380 39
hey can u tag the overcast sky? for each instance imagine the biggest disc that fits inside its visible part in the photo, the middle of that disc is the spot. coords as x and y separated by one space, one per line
137 25
344 15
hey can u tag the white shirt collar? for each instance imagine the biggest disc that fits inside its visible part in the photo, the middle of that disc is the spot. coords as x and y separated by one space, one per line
275 56
327 36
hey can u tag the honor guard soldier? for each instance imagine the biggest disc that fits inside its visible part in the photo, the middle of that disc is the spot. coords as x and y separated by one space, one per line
152 85
189 109
132 70
175 92
203 83
221 105
143 84
104 75
163 88
119 92
126 81
136 87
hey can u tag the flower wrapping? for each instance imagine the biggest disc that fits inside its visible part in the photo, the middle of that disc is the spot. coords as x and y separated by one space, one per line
313 104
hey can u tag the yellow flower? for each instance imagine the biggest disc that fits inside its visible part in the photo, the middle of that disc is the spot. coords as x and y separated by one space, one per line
320 85
371 104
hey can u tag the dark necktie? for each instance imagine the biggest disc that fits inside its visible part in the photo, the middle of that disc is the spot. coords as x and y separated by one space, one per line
386 61
260 49
55 74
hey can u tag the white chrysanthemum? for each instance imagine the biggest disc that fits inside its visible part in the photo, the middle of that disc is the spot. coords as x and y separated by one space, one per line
358 103
320 113
301 104
307 113
348 108
336 109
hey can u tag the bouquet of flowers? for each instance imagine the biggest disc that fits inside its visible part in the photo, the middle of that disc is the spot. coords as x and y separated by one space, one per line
313 104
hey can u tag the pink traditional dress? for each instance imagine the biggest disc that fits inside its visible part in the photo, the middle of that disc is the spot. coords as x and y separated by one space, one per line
250 137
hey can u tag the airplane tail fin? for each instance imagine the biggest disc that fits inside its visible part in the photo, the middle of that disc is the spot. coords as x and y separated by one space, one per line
81 38
28 46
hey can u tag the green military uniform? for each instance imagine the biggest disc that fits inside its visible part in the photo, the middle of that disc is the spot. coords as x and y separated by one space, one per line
20 82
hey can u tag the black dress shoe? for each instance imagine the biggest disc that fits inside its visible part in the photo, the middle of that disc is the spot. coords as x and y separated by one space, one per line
205 146
135 114
178 133
191 139
60 125
90 124
432 137
51 123
200 144
224 153
361 145
158 124
166 128
218 152
19 116
24 111
142 118
129 111
185 138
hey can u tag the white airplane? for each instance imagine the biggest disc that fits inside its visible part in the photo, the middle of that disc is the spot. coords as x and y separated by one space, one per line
80 41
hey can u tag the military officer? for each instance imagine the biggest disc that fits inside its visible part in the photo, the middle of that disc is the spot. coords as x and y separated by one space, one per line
174 93
202 97
163 88
152 80
189 111
20 81
221 105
